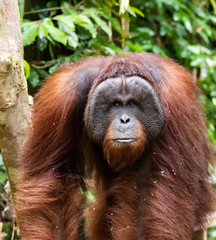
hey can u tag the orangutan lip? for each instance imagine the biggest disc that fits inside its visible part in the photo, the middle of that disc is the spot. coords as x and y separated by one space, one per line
125 140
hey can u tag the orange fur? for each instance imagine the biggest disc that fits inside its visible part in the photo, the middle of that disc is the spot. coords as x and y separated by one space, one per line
160 194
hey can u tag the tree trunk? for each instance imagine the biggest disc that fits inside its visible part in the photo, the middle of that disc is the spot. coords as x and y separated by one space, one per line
14 108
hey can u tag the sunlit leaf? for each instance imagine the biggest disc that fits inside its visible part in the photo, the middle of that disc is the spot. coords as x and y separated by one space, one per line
55 32
102 24
213 3
196 62
43 31
124 5
26 69
115 23
132 46
67 20
187 24
30 33
136 10
87 23
73 40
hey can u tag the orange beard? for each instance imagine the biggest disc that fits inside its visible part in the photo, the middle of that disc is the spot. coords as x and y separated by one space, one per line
122 154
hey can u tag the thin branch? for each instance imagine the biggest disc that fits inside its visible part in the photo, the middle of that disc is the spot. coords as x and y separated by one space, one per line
46 9
52 9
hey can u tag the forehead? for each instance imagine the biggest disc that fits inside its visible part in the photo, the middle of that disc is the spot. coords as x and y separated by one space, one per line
121 85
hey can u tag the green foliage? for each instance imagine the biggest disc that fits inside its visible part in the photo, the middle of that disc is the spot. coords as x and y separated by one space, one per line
62 32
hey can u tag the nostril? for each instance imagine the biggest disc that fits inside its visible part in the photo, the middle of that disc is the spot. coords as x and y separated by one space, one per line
125 119
122 121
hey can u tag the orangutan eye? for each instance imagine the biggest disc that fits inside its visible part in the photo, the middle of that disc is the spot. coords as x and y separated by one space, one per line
117 103
131 103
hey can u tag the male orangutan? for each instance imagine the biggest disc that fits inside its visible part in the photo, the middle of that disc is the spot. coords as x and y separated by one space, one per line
132 123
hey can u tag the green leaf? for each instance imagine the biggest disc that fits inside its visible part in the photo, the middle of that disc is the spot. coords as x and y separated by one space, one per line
66 7
67 20
146 30
124 5
204 37
210 62
194 49
108 50
132 46
213 3
166 29
205 27
98 40
197 49
3 177
52 4
43 31
187 24
42 43
212 19
86 23
21 4
30 33
82 20
180 30
55 33
72 38
42 73
34 78
102 24
136 10
176 16
54 68
26 69
115 23
156 49
102 44
196 62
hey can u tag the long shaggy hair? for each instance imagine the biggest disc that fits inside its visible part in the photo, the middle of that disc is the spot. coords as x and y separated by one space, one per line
162 195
